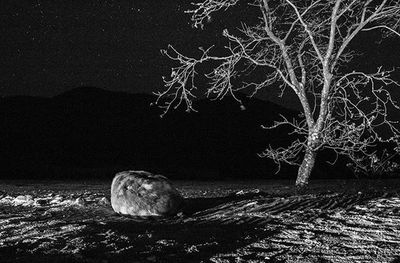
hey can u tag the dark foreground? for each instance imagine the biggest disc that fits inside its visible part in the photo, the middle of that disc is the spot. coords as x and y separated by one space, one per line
263 221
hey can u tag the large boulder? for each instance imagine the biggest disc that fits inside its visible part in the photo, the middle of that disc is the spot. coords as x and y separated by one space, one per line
140 193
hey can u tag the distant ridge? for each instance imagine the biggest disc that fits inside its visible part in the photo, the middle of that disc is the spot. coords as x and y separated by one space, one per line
91 133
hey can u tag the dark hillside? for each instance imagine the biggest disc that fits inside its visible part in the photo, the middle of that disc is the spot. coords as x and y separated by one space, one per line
90 132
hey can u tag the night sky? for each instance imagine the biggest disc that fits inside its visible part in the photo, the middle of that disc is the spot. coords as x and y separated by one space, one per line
48 47
51 46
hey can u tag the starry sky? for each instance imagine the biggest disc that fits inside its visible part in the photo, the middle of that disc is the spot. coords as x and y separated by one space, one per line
50 46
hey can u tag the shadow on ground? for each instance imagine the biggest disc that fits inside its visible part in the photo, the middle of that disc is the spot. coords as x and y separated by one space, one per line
206 228
116 239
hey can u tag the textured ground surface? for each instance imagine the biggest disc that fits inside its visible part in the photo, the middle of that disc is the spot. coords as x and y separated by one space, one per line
335 221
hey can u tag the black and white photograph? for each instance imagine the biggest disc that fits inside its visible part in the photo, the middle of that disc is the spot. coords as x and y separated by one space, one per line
200 131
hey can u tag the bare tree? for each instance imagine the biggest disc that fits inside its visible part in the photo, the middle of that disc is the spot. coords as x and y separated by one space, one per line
301 45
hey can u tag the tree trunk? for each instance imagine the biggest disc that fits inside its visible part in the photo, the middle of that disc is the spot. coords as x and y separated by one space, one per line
305 169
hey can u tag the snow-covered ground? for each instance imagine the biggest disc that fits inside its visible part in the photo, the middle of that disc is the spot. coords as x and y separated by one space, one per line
222 222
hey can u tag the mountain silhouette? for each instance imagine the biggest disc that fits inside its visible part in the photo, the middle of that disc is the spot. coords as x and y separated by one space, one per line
92 133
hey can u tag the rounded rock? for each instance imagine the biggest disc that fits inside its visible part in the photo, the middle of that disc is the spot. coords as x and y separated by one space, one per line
140 193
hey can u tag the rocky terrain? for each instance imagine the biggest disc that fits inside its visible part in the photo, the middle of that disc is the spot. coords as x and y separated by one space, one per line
260 221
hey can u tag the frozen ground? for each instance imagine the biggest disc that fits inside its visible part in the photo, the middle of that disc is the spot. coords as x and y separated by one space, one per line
335 221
